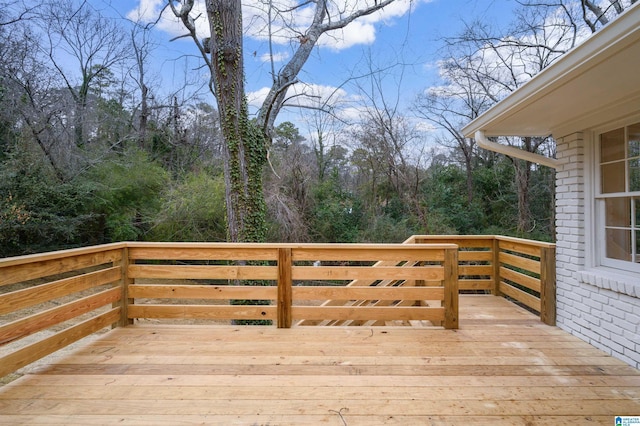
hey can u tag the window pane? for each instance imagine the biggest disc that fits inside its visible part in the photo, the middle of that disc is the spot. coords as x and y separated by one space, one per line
637 257
636 209
634 140
618 212
612 177
612 145
619 244
634 175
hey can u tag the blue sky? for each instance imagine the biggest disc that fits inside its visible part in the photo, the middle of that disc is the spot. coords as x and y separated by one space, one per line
412 38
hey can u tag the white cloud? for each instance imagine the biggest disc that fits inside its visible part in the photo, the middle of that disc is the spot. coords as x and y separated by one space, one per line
288 22
256 98
355 33
149 10
305 95
277 57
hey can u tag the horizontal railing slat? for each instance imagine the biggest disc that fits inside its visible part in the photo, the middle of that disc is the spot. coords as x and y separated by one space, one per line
464 270
384 313
520 262
475 256
32 324
364 273
35 295
53 266
471 284
206 292
368 293
51 344
394 252
209 312
204 272
221 251
520 247
520 279
519 295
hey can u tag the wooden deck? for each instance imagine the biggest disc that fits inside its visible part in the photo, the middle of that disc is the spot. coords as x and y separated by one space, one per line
503 366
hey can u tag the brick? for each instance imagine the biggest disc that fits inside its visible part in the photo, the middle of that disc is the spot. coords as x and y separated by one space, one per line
614 312
623 304
632 318
600 298
591 303
602 315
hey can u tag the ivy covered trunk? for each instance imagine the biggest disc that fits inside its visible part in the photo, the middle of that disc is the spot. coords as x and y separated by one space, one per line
245 144
245 147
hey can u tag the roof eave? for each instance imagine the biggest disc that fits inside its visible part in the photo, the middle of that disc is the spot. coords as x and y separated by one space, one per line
618 35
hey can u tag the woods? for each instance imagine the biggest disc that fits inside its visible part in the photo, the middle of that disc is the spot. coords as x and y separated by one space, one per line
92 151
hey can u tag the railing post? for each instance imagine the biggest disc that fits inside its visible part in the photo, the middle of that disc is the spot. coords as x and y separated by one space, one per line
284 287
451 288
496 267
548 285
124 286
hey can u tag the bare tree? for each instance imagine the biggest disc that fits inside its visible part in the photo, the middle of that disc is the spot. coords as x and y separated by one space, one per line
30 96
142 48
247 142
93 42
15 11
593 14
450 106
486 66
596 15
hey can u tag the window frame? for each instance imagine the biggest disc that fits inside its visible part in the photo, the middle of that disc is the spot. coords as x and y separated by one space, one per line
598 199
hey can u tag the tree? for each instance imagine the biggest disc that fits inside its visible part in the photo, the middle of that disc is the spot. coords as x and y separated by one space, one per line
595 14
14 11
487 66
450 106
247 142
95 43
30 99
288 188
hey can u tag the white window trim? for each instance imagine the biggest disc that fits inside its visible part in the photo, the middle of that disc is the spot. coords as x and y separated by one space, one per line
595 255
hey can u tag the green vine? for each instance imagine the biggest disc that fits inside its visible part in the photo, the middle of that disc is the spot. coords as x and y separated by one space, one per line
246 147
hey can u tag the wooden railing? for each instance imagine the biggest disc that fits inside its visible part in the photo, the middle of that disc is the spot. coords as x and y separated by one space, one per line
50 300
522 270
277 267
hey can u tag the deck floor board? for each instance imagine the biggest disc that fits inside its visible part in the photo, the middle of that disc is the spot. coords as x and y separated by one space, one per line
501 367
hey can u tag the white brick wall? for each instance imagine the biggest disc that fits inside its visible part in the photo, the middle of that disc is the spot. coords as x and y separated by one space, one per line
595 305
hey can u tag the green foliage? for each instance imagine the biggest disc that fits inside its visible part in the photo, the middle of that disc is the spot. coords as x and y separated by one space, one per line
445 194
192 210
386 229
337 213
286 134
39 214
496 194
127 194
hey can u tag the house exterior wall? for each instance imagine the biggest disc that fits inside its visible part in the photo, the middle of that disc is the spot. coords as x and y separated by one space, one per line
594 304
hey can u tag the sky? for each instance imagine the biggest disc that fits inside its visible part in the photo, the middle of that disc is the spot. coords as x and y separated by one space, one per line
403 41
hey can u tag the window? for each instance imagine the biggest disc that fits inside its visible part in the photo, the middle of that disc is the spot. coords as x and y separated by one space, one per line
618 197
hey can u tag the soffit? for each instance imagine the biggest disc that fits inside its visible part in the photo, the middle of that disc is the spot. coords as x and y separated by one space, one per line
596 82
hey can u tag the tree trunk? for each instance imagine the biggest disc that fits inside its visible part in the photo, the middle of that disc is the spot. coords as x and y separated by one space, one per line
245 145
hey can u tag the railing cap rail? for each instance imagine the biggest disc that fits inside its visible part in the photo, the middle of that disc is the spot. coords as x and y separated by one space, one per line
535 243
354 246
59 254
